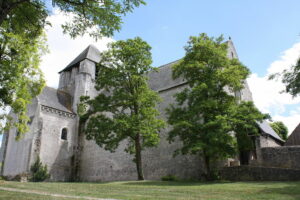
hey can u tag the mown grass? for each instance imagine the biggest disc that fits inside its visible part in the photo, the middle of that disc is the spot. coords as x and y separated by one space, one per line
6 195
170 190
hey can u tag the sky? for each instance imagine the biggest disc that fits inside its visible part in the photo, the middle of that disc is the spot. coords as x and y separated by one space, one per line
266 35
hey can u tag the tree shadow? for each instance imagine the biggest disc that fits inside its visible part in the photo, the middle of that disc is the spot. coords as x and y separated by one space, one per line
174 183
292 189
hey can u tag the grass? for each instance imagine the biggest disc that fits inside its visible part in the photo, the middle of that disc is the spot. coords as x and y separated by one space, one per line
167 190
5 195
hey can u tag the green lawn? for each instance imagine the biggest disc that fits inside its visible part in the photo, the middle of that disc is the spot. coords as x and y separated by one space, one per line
163 190
21 196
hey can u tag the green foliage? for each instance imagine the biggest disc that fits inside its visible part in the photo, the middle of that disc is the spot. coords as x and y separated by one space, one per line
244 118
170 178
20 77
98 18
201 118
280 129
38 171
125 108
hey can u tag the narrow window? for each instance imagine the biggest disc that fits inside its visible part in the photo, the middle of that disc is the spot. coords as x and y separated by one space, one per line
64 134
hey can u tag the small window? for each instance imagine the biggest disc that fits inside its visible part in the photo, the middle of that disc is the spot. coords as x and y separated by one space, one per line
64 134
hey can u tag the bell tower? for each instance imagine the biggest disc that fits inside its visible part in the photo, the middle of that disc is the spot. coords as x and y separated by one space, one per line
78 77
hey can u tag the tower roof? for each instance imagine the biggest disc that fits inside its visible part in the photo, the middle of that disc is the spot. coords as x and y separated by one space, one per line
90 53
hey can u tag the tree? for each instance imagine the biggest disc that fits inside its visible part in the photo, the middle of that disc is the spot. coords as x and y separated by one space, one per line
280 129
97 17
125 108
244 118
201 117
20 76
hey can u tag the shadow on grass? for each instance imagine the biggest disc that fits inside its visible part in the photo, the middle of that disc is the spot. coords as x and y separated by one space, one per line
292 190
172 183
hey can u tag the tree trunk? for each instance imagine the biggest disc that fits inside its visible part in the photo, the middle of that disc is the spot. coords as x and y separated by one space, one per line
207 165
138 158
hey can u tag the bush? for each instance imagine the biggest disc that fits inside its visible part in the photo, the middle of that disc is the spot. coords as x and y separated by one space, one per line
38 171
169 178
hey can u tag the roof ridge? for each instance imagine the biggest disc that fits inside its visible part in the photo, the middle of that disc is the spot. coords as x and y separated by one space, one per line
161 66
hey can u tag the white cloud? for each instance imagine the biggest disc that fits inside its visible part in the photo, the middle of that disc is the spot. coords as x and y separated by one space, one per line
63 49
267 96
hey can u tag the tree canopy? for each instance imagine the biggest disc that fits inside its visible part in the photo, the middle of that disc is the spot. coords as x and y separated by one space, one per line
280 129
202 115
125 108
96 17
21 47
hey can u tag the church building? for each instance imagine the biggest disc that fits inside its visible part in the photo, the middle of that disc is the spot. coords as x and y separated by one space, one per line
54 135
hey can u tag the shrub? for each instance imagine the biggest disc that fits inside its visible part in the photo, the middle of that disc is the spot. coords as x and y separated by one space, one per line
169 178
38 171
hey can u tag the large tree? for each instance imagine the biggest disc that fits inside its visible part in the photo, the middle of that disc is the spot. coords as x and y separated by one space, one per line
280 129
21 46
125 109
201 117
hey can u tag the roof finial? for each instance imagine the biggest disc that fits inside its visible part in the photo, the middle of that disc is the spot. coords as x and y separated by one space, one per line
229 38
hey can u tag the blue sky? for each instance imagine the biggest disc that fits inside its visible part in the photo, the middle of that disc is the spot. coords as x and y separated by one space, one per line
266 34
260 30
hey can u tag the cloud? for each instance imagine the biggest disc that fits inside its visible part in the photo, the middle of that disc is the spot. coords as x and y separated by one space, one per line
63 49
267 94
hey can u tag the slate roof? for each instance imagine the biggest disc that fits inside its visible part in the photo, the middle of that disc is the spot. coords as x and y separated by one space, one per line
266 129
56 99
162 79
91 53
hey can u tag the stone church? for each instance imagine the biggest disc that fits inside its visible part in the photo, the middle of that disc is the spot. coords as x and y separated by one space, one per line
54 135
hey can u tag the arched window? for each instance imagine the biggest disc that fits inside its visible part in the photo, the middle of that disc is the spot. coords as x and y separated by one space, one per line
64 134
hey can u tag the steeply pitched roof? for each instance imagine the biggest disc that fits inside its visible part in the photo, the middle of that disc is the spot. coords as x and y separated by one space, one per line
91 53
294 138
56 99
266 129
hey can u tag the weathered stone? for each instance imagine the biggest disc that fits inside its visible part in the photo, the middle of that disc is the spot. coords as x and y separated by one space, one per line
254 173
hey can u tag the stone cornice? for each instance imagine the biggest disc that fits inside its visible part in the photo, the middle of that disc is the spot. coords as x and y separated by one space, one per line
58 112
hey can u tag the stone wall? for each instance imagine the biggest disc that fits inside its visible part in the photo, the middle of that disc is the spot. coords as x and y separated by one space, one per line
100 165
17 156
251 173
285 157
55 152
96 164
